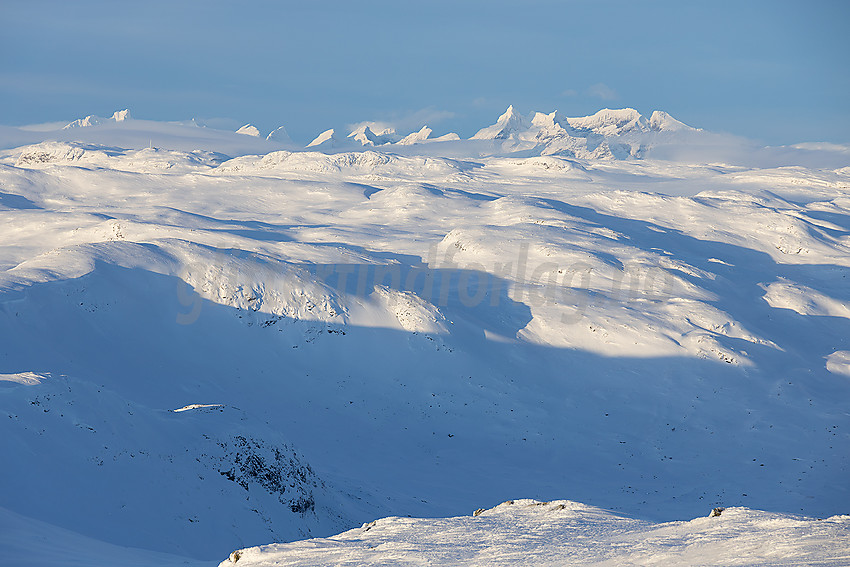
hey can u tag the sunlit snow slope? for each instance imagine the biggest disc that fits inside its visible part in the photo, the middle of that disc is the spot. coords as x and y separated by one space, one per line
416 328
529 532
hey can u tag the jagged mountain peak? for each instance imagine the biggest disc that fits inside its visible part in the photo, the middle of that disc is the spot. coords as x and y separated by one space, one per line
611 122
508 124
93 120
553 123
416 137
366 135
509 113
607 134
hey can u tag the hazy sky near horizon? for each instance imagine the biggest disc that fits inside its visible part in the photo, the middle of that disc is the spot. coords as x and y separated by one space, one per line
773 70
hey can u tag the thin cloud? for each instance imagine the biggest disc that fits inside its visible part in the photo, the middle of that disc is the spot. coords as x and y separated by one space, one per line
603 91
407 122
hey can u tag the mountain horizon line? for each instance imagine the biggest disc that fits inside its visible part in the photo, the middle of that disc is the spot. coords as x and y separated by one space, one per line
511 124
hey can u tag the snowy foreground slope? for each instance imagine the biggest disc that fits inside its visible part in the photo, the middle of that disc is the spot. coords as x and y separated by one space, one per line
213 341
529 532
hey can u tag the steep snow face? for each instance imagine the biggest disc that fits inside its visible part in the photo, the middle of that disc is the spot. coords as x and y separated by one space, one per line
327 139
279 134
424 136
366 137
249 130
416 137
529 532
662 122
509 124
552 124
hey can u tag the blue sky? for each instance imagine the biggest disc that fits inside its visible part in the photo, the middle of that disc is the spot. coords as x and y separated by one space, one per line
772 70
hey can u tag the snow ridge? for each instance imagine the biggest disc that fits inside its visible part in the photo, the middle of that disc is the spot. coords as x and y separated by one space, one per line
92 120
608 134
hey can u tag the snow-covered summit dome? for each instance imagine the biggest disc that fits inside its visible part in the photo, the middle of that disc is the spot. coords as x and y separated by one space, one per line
608 122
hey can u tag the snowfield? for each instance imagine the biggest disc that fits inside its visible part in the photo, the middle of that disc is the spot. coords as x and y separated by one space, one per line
217 340
528 532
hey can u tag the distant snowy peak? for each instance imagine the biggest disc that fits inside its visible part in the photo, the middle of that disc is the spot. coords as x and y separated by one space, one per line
92 120
606 123
416 137
608 134
121 115
549 126
624 121
660 121
327 138
509 124
279 134
423 136
551 120
609 122
249 130
367 137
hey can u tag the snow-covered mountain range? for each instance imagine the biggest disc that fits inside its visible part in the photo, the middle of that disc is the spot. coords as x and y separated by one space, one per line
608 134
213 340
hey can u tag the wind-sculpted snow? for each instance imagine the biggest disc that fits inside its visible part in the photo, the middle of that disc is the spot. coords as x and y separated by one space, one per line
415 329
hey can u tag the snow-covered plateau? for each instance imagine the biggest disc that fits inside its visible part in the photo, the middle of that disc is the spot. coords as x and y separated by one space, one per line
212 341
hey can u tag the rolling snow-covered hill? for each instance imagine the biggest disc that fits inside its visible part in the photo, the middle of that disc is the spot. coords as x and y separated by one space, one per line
213 340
